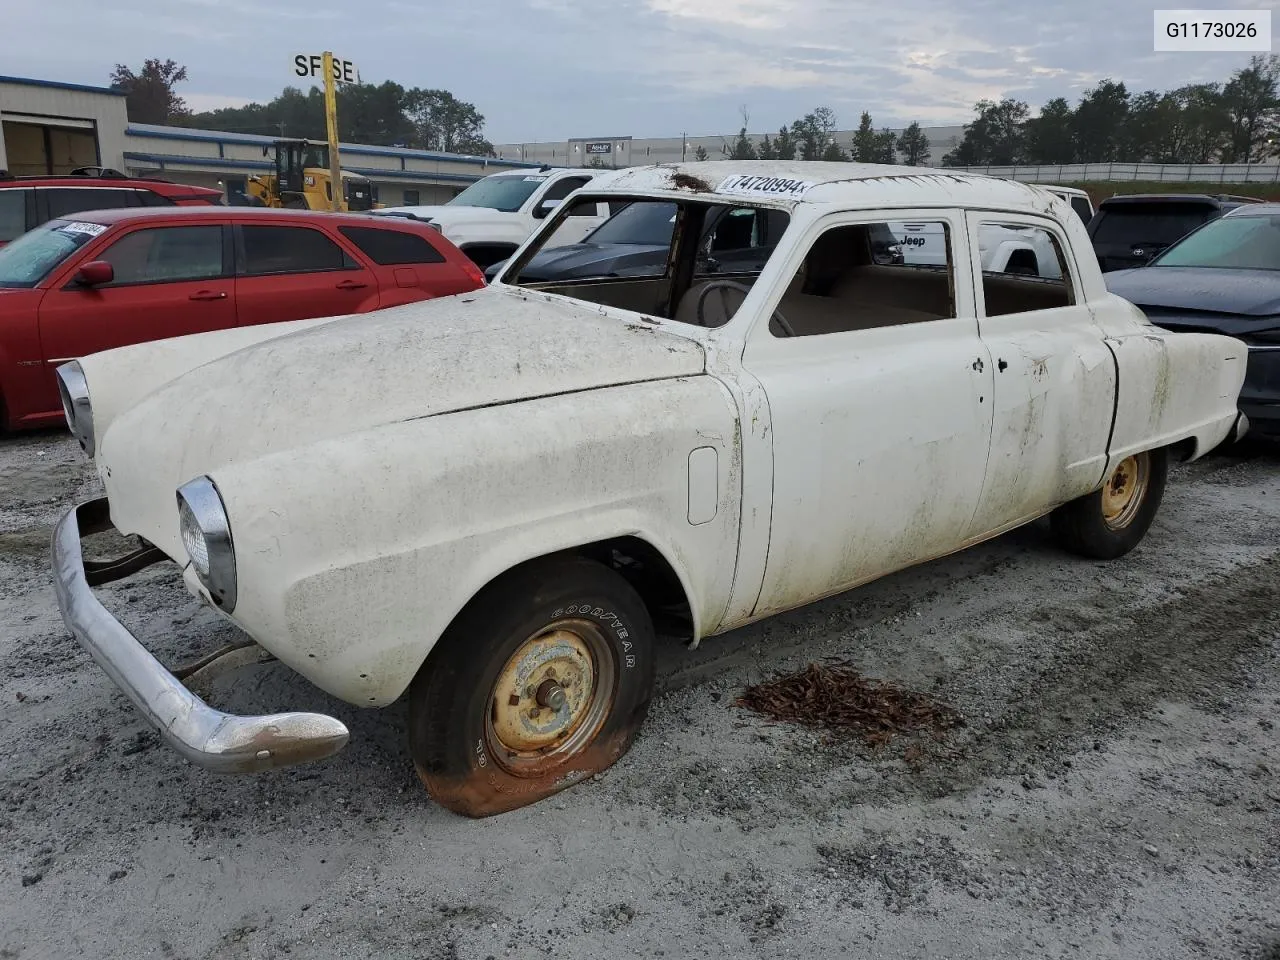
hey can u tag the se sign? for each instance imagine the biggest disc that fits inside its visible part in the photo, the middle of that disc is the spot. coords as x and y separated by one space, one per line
312 65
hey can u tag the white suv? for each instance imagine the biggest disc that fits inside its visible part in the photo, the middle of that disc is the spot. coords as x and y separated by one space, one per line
492 217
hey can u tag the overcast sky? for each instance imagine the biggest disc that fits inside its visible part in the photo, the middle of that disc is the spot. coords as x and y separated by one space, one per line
553 69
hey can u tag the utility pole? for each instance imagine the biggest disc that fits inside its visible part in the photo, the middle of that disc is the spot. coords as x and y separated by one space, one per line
331 121
684 144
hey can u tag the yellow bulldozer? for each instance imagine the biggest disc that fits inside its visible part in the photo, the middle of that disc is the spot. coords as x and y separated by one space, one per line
301 180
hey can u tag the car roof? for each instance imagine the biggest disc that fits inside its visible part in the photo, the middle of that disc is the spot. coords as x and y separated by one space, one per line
165 187
267 214
1201 199
790 183
1268 208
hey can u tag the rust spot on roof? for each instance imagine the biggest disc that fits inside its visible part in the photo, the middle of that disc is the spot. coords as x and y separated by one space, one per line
685 181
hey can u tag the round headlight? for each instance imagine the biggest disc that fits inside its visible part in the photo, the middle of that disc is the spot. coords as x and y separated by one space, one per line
73 389
206 536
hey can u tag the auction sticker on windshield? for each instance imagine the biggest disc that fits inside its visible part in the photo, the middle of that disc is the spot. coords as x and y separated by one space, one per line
764 186
79 226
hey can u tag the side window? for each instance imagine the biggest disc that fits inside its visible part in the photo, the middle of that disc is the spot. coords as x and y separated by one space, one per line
270 250
854 278
1081 206
1023 269
166 254
388 247
66 200
562 188
13 214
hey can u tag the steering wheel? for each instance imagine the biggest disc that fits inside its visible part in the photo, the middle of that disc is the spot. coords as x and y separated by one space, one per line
722 287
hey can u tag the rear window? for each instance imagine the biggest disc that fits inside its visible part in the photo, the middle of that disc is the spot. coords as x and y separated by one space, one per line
67 200
390 247
1148 224
13 214
290 250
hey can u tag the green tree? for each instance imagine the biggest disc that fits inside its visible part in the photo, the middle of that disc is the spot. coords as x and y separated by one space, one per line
1050 137
149 95
700 153
1204 123
766 150
864 140
443 122
742 148
913 146
994 137
1251 106
784 146
813 133
1100 123
885 146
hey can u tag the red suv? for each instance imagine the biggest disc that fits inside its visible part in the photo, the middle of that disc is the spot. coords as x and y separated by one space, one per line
27 202
81 284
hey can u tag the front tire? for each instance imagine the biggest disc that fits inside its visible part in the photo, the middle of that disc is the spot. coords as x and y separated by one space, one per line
1111 521
542 681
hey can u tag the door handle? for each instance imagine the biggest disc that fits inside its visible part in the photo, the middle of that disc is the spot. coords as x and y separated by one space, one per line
351 285
208 295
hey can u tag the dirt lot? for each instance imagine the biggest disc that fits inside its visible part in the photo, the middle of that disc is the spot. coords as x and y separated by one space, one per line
1115 791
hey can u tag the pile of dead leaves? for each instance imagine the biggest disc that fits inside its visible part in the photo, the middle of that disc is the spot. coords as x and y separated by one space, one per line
838 698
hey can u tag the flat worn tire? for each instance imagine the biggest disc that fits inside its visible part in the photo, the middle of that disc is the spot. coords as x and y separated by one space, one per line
1111 521
542 681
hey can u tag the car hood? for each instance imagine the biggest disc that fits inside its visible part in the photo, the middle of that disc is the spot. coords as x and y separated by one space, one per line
593 259
1254 293
491 347
450 214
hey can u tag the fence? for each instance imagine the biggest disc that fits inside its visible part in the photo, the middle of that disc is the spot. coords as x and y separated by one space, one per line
1158 172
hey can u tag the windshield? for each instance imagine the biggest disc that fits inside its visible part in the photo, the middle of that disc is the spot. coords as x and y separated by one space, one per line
507 194
28 260
1243 243
1149 224
641 223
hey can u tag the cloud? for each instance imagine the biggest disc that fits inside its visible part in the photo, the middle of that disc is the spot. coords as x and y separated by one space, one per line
553 69
200 102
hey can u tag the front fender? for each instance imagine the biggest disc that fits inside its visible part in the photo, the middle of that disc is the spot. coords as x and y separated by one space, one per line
119 378
355 553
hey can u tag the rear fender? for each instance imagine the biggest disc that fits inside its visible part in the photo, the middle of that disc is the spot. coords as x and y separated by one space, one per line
1174 387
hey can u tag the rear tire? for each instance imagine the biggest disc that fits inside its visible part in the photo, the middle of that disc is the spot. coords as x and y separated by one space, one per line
1111 521
542 681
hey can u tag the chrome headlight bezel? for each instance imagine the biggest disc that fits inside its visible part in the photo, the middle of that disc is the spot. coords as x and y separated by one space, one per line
73 389
201 513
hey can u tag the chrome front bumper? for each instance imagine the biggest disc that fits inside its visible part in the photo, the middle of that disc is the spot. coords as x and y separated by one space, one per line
205 736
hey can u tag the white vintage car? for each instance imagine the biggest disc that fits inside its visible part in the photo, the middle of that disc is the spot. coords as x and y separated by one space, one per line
484 500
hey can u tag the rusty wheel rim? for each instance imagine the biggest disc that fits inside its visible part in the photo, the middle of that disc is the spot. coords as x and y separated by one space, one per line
1125 491
551 698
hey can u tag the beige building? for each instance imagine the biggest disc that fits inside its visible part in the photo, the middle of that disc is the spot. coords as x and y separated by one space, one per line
53 128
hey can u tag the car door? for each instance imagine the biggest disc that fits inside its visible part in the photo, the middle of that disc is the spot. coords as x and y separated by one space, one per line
297 271
169 281
408 267
879 409
1055 380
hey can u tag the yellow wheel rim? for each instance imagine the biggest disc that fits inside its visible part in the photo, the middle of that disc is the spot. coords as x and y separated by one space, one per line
1125 491
551 698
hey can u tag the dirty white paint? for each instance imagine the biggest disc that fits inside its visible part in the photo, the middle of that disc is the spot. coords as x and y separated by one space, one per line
379 470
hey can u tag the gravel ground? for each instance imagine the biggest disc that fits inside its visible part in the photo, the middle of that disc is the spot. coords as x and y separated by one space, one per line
1114 792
